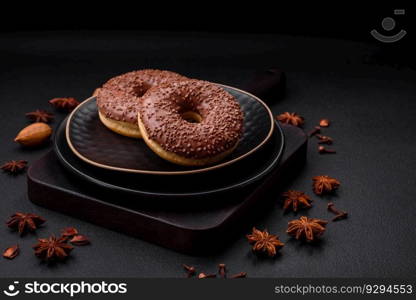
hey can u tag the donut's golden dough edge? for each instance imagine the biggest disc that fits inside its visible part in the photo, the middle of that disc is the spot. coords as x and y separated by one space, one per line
120 127
177 159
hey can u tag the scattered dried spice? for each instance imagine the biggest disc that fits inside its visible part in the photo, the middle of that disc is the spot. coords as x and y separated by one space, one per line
40 116
306 228
69 232
314 131
324 139
222 270
264 242
296 199
51 249
239 275
34 135
14 166
11 252
324 123
291 118
324 184
64 103
323 150
339 214
203 276
190 270
25 221
80 240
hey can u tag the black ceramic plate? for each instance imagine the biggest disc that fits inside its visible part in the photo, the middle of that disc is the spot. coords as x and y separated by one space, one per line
92 142
242 173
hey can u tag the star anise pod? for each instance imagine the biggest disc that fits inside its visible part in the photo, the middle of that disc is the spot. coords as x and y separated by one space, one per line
306 228
264 242
324 184
64 103
79 240
22 221
11 252
52 248
40 116
295 200
69 232
14 166
291 118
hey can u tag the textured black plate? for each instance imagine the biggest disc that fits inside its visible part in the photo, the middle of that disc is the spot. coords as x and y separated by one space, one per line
92 142
238 175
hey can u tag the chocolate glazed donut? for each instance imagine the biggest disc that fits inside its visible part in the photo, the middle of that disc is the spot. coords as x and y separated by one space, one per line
191 123
118 100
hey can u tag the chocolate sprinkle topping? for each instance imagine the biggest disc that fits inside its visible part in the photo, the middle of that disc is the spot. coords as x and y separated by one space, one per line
119 98
219 130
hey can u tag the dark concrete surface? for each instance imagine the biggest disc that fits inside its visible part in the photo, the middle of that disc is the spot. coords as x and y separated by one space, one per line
372 108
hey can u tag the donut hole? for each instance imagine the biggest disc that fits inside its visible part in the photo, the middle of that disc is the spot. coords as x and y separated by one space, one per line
191 117
141 89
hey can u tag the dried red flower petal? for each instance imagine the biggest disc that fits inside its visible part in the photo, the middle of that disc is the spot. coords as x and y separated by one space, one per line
52 248
40 116
79 240
291 118
64 103
25 221
11 252
14 166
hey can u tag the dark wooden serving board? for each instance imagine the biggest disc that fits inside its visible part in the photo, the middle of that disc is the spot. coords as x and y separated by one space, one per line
186 228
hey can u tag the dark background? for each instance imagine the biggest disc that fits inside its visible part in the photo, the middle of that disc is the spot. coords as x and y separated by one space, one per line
335 70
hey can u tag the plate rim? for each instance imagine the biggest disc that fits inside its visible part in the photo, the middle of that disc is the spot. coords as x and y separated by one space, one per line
185 172
111 186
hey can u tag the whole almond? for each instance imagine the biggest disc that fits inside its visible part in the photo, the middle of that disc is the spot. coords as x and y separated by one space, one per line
34 134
